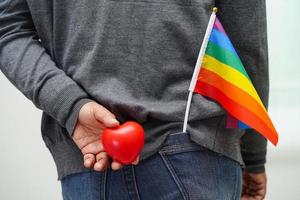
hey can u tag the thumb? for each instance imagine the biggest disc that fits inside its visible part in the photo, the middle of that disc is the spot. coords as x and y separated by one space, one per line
104 116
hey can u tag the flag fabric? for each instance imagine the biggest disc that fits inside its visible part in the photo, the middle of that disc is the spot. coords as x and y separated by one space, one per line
232 122
223 78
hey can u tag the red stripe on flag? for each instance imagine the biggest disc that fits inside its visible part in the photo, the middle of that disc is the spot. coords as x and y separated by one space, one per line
236 110
236 94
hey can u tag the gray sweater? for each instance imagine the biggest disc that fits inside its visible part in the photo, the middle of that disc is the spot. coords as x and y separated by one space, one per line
134 57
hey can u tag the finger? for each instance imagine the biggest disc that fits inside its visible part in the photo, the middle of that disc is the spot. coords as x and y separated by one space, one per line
102 161
245 197
136 161
249 197
94 147
105 116
116 165
88 160
254 187
84 141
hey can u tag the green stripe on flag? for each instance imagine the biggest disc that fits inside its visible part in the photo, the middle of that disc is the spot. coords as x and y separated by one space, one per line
226 57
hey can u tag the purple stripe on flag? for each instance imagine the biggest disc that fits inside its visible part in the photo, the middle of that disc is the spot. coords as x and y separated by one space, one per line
218 26
231 122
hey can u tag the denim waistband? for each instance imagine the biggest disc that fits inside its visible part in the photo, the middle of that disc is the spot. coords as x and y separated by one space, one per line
179 141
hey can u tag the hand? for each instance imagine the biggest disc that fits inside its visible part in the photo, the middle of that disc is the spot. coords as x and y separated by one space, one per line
254 186
92 118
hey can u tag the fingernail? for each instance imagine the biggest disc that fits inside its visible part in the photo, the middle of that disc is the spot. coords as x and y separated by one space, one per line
114 121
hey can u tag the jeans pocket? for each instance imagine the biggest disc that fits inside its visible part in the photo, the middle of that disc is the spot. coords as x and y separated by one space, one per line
199 172
174 176
175 146
83 185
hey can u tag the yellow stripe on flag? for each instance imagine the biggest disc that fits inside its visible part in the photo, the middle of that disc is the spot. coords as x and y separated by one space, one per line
231 75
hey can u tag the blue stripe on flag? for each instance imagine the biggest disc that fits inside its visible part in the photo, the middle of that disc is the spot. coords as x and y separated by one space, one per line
243 125
221 39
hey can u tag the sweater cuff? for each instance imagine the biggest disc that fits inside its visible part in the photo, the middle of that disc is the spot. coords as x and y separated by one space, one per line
255 169
74 113
254 162
62 98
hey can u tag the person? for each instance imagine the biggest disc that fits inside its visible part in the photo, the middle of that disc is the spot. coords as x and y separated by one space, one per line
94 64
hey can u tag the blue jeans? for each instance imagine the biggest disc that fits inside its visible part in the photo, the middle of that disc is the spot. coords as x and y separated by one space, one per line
180 170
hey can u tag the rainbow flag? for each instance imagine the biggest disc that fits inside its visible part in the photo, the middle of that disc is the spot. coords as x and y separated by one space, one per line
223 78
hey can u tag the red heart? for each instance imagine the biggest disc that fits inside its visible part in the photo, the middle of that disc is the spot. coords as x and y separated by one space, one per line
123 143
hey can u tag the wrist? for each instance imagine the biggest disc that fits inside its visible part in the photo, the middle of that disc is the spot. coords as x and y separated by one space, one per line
74 113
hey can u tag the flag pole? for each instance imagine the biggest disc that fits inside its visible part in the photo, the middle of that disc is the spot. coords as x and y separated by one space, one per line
198 65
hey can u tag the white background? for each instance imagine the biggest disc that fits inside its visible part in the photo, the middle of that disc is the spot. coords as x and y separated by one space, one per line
27 170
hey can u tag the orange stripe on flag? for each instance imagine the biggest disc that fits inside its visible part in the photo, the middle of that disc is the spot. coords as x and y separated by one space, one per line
236 94
238 111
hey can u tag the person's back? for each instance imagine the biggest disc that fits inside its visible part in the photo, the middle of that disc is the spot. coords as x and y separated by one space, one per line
133 60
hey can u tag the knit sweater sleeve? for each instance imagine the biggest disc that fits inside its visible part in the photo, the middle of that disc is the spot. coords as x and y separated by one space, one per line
30 68
245 23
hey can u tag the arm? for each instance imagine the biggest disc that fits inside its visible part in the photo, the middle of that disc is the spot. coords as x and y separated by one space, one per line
245 23
26 63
